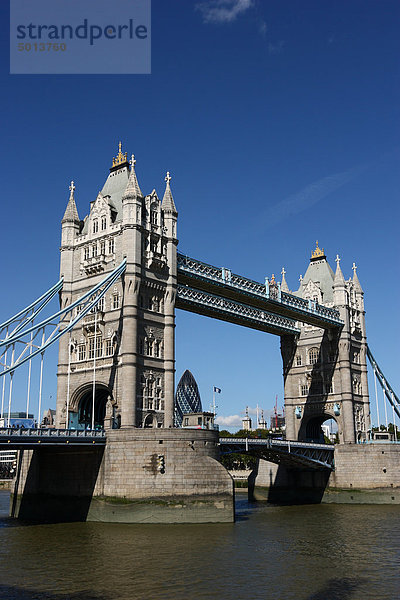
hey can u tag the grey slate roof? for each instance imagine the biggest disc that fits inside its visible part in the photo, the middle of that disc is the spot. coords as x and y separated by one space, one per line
319 272
114 187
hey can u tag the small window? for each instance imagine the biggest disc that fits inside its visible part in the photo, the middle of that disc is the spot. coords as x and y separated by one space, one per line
154 217
313 356
304 389
111 246
101 304
157 349
109 347
95 226
298 360
99 347
115 301
149 347
186 421
103 223
102 247
86 252
94 250
82 352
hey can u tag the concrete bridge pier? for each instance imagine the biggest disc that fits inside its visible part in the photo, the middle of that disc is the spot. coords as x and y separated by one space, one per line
363 474
140 476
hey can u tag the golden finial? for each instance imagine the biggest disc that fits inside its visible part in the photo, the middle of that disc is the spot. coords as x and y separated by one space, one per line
318 252
272 282
121 157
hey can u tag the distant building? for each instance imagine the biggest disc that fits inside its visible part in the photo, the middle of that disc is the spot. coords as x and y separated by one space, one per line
202 420
277 421
246 421
187 398
17 420
262 423
49 418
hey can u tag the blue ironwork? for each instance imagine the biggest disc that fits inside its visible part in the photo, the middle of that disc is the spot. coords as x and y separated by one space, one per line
59 326
28 314
302 454
22 438
202 274
387 388
225 309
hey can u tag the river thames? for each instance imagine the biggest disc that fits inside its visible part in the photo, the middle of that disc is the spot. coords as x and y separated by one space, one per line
314 552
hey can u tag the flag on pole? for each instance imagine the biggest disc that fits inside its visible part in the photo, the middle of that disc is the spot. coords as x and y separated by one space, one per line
217 390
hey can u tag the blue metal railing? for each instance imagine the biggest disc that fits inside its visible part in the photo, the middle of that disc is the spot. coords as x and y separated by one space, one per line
224 277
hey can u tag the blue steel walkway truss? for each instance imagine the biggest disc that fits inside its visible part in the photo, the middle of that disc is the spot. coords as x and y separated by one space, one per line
283 309
286 452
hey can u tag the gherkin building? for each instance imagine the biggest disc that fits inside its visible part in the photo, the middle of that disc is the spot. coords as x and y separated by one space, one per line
187 398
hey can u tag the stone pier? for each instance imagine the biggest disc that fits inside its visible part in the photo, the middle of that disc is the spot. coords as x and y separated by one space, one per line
140 476
364 474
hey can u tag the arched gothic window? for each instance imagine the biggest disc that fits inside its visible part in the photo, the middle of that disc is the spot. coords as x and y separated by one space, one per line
313 355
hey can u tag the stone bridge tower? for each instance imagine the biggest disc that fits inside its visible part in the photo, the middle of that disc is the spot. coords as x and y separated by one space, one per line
325 372
124 351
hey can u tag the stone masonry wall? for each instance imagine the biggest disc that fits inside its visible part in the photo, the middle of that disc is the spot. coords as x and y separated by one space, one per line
123 482
364 473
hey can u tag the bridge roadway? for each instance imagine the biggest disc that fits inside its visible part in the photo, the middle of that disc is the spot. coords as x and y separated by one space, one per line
18 439
306 454
283 309
287 452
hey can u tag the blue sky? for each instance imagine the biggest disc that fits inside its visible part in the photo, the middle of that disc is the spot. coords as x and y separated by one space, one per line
279 122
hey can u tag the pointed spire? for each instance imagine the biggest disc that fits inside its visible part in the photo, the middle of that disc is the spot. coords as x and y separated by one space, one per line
356 281
71 212
168 203
284 285
339 279
132 189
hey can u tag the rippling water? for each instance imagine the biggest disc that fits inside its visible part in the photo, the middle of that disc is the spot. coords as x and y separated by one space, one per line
324 552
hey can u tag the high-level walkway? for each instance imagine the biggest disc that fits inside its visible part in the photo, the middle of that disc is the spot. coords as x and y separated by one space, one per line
217 292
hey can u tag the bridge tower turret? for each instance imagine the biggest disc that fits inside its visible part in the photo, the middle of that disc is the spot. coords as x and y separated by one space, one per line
124 352
325 371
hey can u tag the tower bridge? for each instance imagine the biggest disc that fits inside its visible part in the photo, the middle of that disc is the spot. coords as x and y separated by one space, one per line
121 280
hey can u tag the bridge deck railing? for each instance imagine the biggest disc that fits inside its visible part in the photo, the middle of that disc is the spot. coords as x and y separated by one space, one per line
225 277
51 433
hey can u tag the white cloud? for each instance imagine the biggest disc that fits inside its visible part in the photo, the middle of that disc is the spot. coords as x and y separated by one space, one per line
276 48
262 28
229 421
307 197
223 11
